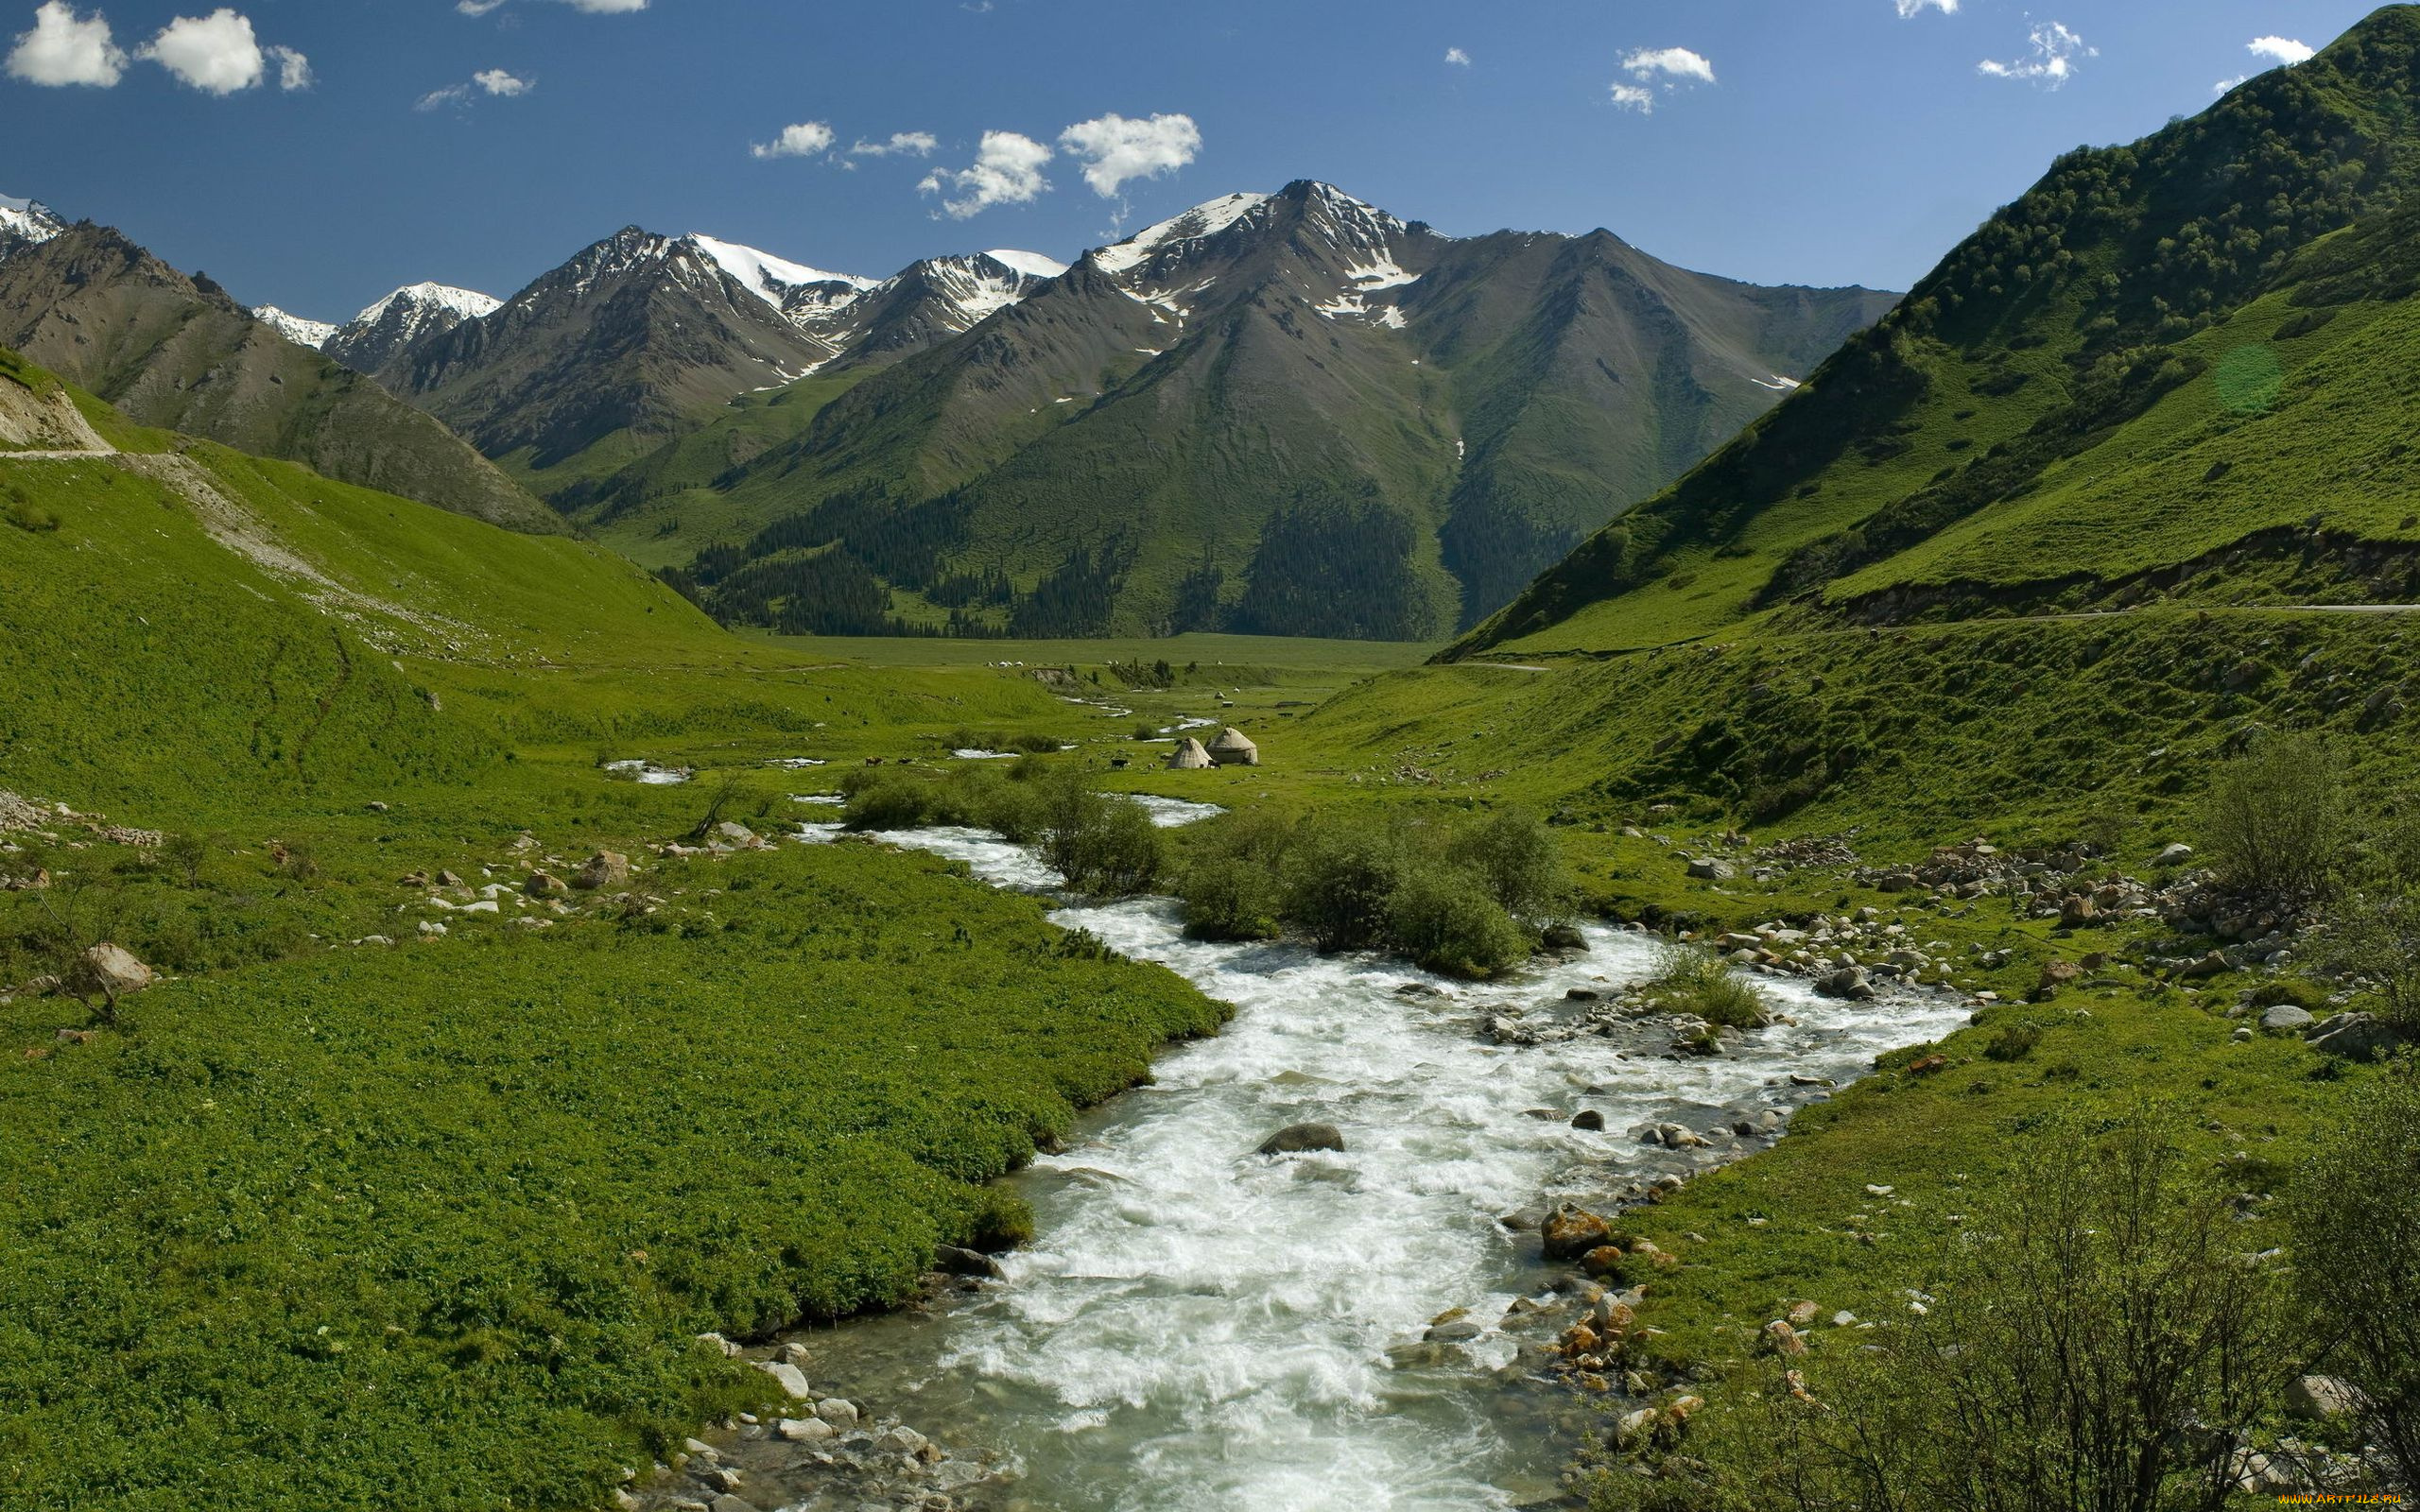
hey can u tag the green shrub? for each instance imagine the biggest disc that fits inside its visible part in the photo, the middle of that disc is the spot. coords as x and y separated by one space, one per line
2355 1216
2274 821
26 515
2298 991
1103 846
1230 897
1341 878
2015 1042
1689 979
888 802
1515 855
1445 919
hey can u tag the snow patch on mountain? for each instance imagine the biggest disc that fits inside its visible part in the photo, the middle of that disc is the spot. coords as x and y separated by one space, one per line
769 278
1202 221
1032 264
25 223
434 298
294 328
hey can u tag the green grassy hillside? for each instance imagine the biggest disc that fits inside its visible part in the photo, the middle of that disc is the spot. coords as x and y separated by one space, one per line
2162 354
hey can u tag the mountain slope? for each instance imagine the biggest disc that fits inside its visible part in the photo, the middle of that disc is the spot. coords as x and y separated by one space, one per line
2162 352
615 352
178 353
188 624
1289 413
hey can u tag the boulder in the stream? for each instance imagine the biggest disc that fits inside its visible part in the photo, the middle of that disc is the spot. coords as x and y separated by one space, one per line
953 1260
1570 1233
791 1378
1564 937
1588 1119
1296 1138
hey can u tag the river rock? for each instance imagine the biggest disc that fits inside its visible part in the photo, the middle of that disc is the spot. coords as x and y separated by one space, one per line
806 1430
1569 1233
954 1261
1849 982
716 1342
1588 1119
606 868
791 1378
1564 937
108 972
1713 869
2354 1036
840 1412
727 1503
1297 1138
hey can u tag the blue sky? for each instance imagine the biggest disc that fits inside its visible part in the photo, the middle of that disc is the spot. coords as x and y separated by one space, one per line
482 143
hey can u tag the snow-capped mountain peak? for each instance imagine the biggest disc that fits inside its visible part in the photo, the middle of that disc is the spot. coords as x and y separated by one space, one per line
775 279
25 223
391 325
437 298
1202 220
294 328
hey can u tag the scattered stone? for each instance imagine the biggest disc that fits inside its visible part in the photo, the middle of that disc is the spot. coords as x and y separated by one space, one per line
108 972
449 879
728 1349
806 1430
1297 1138
546 884
1929 1065
954 1261
791 1378
1588 1119
1782 1339
2323 1396
1803 1313
606 868
2353 1037
1570 1234
2174 855
2286 1019
840 1412
1713 869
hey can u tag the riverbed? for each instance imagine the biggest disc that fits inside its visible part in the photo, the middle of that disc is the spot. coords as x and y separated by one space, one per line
1198 1327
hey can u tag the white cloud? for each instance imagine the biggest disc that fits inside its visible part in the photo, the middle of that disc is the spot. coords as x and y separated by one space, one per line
1675 63
2281 50
901 144
1006 171
601 8
2225 84
498 82
217 54
66 48
1649 67
1457 57
1115 149
808 139
1915 7
293 69
2056 51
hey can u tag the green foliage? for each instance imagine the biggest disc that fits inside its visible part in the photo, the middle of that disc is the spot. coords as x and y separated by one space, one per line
1339 877
1691 979
2100 1341
471 1199
1514 856
1445 919
2013 1042
1103 845
2356 1219
2275 823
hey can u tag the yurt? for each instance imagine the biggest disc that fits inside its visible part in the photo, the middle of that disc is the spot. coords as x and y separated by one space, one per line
1189 756
1232 750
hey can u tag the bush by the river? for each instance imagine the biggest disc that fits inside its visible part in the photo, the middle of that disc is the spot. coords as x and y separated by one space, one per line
1463 901
1691 979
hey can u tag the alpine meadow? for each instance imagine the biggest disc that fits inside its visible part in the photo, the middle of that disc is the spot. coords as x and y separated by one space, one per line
1294 858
